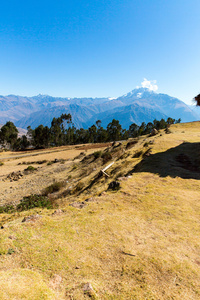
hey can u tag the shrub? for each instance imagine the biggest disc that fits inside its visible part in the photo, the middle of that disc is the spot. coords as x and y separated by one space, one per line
74 167
54 187
7 209
146 144
32 201
106 157
1 163
137 154
97 154
30 168
27 203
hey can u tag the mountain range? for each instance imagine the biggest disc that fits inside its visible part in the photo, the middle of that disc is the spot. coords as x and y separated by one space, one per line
140 105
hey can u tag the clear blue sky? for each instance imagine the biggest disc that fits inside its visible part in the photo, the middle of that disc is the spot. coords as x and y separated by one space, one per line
99 47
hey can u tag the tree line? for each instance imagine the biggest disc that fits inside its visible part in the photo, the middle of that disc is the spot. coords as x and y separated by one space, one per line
63 132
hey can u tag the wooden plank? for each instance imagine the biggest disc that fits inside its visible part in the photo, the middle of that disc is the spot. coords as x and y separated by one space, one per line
108 167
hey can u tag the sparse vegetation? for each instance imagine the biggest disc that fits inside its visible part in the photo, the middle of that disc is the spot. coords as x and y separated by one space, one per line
54 187
33 201
106 157
97 154
30 168
138 242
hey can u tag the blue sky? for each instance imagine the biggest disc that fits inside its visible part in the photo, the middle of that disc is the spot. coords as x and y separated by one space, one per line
99 48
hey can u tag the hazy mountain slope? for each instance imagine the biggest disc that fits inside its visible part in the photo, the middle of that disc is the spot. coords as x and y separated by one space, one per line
79 115
127 115
145 106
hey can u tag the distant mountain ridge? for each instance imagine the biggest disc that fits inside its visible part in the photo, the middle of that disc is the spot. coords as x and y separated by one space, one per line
139 105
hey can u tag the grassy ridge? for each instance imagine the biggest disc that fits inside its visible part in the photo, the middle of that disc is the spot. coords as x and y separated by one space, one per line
141 242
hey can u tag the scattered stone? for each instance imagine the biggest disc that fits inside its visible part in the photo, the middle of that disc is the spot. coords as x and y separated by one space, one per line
114 185
78 204
56 281
31 218
77 267
15 176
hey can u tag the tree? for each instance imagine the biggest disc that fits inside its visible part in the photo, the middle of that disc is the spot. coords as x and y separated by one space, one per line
8 133
93 134
133 130
114 130
21 143
197 99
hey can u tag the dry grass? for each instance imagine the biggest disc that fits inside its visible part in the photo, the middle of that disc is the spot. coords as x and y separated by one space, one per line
141 242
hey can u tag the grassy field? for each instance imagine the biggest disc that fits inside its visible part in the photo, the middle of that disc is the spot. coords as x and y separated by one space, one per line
139 242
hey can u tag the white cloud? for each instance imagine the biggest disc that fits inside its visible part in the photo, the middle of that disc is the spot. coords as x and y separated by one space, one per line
149 84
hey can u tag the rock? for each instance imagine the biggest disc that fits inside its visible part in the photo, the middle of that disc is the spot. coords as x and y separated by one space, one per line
114 185
151 142
31 218
123 178
78 204
88 289
58 212
102 193
153 132
90 199
15 176
131 144
11 237
56 281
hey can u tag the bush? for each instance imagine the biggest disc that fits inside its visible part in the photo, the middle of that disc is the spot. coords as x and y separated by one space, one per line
106 157
97 154
54 187
32 201
30 168
1 163
27 203
7 209
137 154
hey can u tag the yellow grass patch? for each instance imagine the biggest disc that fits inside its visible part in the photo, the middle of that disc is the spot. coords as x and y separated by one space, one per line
140 242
